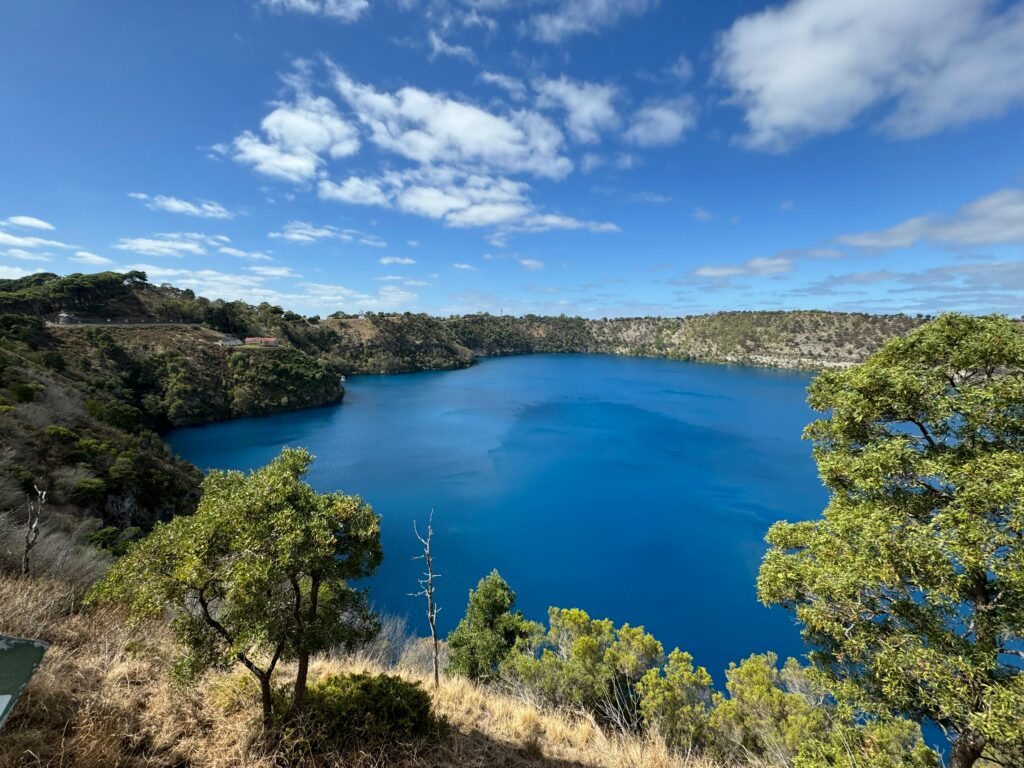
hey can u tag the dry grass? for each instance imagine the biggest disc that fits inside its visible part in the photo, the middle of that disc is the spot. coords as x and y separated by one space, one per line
102 699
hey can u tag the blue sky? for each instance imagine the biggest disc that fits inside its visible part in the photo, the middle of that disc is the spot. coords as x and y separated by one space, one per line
595 157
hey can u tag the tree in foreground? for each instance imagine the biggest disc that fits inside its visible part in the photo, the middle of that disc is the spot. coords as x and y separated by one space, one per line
258 575
489 630
911 587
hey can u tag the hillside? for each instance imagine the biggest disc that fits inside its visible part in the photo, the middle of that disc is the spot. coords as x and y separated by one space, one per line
82 403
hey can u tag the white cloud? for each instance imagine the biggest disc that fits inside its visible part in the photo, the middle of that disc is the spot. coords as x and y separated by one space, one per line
373 241
204 209
30 222
304 232
354 190
589 106
532 264
702 214
432 128
995 219
21 255
467 267
574 17
813 67
681 69
240 254
440 47
16 241
661 123
171 244
13 273
90 258
513 86
345 11
763 265
297 134
397 260
273 272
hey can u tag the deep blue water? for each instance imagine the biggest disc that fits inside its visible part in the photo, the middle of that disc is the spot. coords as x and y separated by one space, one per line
639 490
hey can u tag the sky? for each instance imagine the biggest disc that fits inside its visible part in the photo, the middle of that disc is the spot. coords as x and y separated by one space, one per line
594 157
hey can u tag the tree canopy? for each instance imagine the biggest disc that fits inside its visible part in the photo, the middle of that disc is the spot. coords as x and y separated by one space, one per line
260 573
911 587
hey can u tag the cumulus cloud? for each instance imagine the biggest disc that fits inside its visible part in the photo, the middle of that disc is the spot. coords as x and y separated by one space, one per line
576 17
204 209
13 273
662 123
589 107
345 11
404 260
432 128
813 67
995 219
296 137
354 190
30 222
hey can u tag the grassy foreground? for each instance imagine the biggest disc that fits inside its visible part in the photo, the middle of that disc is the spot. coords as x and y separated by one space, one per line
103 698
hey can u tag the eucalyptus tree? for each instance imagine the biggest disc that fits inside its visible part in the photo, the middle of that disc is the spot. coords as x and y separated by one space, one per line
259 574
910 588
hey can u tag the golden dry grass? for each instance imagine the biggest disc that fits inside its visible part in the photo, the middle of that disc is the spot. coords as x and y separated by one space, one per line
103 699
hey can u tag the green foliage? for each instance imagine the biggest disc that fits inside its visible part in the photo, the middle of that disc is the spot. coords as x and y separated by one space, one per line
784 716
489 631
676 700
911 587
269 380
115 413
587 664
25 392
260 572
360 708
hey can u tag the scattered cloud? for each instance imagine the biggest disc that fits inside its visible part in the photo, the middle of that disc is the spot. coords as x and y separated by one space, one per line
589 107
681 69
812 67
787 205
204 209
387 260
19 241
354 190
274 272
31 222
85 257
532 264
345 11
701 214
13 273
171 244
514 87
661 123
440 47
297 135
240 254
22 255
304 232
762 265
576 17
995 219
467 267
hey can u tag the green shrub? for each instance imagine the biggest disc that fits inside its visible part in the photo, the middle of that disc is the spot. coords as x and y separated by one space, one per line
25 393
676 700
116 414
489 631
360 707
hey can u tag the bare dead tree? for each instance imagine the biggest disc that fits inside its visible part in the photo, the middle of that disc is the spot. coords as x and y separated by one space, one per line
427 590
35 513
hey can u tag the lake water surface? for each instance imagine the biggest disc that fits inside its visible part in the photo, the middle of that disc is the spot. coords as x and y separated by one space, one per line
639 490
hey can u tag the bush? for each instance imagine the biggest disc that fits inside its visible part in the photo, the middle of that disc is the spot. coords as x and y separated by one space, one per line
25 393
362 707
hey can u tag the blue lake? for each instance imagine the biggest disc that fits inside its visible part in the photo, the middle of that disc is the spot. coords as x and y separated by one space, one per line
639 490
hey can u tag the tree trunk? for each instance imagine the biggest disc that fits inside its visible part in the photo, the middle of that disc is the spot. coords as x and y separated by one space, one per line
967 750
300 680
268 702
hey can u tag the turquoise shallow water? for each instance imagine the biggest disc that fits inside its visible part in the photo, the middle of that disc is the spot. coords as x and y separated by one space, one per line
639 490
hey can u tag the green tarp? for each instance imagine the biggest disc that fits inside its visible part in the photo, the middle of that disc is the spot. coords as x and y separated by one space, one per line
19 660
